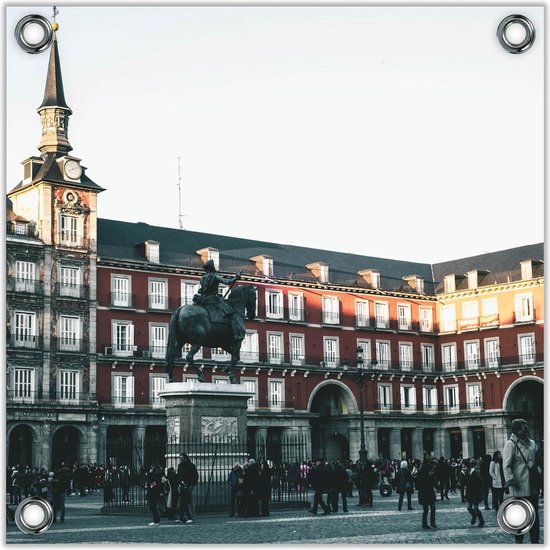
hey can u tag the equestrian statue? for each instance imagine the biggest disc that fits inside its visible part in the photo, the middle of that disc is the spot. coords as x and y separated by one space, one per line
211 321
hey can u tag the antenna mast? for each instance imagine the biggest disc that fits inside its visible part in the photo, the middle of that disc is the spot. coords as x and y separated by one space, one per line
180 216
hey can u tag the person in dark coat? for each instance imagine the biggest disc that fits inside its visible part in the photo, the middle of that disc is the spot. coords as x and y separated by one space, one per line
60 483
340 486
264 487
443 476
154 491
369 479
318 479
332 487
124 478
172 494
235 480
474 492
251 481
188 477
484 465
462 479
426 482
404 483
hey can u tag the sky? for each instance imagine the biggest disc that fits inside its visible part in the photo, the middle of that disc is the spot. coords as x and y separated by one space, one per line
397 132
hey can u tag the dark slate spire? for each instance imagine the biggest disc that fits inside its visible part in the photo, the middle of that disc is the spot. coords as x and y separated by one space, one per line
53 94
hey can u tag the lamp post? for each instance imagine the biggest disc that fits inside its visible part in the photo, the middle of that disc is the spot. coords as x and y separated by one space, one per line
360 376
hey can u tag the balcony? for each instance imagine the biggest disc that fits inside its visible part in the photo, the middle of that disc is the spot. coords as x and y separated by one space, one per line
25 286
471 323
68 240
473 407
362 321
488 321
61 397
296 315
27 341
331 318
70 344
157 302
124 300
66 290
20 229
524 318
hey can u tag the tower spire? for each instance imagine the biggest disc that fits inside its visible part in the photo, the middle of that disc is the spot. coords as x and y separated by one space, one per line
54 111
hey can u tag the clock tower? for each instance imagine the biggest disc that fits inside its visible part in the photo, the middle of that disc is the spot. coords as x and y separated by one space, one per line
52 293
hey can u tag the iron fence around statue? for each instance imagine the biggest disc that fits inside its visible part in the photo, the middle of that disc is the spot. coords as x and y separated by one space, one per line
129 462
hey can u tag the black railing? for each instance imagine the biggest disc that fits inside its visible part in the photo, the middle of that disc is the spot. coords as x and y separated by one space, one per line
20 229
28 286
70 344
27 341
422 408
66 290
129 460
59 397
157 303
122 300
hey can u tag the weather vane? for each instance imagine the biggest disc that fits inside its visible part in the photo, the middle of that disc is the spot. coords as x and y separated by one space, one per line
55 13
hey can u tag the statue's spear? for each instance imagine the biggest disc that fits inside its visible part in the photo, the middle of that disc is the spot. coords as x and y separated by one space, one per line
231 285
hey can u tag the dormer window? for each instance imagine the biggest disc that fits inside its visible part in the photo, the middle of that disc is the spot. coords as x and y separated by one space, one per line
264 264
152 251
450 283
526 270
320 271
472 279
210 253
415 282
371 277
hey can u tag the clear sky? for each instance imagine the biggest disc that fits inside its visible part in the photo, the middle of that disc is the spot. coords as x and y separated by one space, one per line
399 132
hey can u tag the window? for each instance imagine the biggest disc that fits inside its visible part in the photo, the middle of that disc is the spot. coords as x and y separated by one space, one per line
69 333
384 397
526 270
152 251
448 352
448 318
123 390
375 279
187 348
120 291
489 308
188 290
406 356
157 340
492 353
158 296
69 281
250 351
428 357
474 397
156 385
331 347
323 273
251 386
404 316
472 279
274 304
25 329
382 314
527 349
23 384
331 310
68 386
365 346
361 313
451 398
295 306
426 319
218 354
275 348
123 338
297 350
25 276
267 266
524 308
449 283
471 353
21 228
408 399
383 354
69 229
430 399
469 310
275 395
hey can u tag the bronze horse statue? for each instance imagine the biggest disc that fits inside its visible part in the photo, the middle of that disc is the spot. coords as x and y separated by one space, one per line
192 324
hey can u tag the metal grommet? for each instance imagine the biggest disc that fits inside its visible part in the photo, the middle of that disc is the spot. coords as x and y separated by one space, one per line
516 516
24 33
504 40
34 516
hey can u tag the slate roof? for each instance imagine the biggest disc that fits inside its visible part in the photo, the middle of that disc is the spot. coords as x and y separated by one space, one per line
54 95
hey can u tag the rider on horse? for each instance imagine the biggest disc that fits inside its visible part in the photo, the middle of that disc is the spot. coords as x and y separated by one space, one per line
208 295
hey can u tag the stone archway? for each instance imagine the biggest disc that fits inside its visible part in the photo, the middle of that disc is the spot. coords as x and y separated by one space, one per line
20 445
65 446
525 399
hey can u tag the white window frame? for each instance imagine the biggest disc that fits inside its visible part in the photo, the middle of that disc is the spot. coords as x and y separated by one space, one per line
364 344
448 318
297 353
275 399
452 407
323 274
25 276
527 353
251 385
382 314
218 354
362 318
69 235
426 319
70 332
449 356
489 306
274 304
404 319
524 307
157 343
275 353
384 398
250 348
68 386
492 352
477 403
331 351
220 380
427 351
152 252
429 394
122 349
470 310
331 310
123 397
383 354
410 391
296 306
406 357
121 290
158 298
155 387
472 359
70 280
188 289
25 334
23 384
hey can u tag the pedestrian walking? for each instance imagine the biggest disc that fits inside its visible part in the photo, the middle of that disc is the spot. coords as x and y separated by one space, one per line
125 483
462 478
426 482
522 473
319 482
474 492
17 482
188 477
404 483
484 465
264 487
496 472
443 476
235 480
154 491
59 492
251 481
172 494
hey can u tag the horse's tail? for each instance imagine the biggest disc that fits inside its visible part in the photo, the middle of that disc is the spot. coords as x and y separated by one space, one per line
172 346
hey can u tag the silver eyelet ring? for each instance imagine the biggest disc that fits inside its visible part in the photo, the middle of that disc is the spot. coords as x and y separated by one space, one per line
34 516
516 516
529 34
24 43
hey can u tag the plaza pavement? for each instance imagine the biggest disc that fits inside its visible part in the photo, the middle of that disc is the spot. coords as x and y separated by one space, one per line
382 524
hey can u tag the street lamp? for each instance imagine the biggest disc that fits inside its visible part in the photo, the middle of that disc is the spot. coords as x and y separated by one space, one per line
360 376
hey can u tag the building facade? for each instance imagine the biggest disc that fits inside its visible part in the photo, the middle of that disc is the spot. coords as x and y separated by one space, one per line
453 351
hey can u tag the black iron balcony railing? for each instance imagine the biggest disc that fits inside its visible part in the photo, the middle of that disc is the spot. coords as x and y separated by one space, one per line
69 240
66 290
28 341
422 408
521 317
65 396
123 299
20 229
157 302
27 286
70 344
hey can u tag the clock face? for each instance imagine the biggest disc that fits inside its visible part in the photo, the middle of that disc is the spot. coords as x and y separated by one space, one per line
72 169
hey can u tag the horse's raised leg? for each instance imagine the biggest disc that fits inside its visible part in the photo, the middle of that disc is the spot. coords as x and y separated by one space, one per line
235 357
189 358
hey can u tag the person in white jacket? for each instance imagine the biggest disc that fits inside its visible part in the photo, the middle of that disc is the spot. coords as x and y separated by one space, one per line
496 472
519 456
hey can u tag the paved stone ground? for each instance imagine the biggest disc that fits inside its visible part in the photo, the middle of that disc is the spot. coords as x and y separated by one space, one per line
379 525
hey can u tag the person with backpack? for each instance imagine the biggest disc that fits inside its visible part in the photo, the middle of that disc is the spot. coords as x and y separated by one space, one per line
404 483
